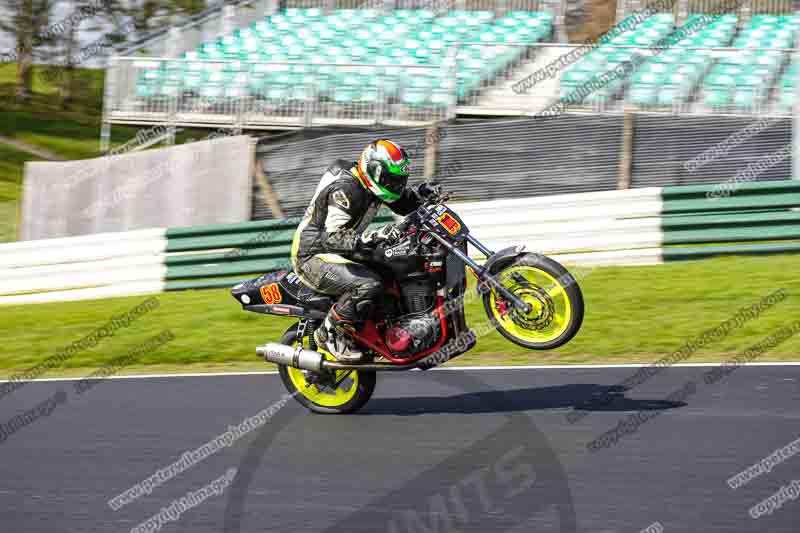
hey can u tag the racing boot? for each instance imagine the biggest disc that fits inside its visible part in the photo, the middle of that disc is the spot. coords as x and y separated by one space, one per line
334 336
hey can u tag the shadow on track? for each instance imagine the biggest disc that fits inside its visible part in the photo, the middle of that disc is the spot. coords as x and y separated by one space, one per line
586 397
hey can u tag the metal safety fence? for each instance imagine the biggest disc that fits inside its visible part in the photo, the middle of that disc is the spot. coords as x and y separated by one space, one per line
499 6
252 94
500 159
472 79
294 166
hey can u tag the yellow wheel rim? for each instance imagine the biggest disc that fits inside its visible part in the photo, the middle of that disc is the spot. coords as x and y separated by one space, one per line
551 309
346 385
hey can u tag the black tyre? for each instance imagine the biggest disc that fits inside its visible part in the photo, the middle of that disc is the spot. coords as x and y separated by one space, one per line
555 297
344 392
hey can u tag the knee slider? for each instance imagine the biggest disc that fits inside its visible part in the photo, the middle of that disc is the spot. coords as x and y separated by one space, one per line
362 307
368 289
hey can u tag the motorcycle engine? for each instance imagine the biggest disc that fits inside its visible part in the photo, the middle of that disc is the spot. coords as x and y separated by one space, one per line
419 329
413 333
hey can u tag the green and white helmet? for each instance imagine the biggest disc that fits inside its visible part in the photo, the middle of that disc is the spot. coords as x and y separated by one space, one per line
383 169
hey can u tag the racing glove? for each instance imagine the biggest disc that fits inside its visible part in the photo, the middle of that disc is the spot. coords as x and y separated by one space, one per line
429 189
372 239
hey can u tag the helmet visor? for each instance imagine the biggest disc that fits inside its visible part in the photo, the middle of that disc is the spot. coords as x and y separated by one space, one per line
395 176
395 183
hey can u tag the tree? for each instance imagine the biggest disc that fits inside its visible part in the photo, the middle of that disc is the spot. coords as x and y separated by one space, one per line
38 38
151 15
27 23
87 16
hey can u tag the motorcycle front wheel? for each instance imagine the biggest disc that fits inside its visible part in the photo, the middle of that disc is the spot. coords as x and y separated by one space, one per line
553 294
342 392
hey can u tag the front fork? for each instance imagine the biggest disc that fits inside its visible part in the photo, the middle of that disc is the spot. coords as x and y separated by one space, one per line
482 273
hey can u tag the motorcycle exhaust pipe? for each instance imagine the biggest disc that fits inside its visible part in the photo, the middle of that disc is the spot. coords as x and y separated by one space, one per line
296 357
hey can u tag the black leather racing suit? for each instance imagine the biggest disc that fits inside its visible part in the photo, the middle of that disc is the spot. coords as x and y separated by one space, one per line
328 237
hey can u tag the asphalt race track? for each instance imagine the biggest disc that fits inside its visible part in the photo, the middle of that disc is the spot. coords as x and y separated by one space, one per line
446 450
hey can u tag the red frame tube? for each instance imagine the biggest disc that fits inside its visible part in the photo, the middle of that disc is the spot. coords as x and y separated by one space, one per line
369 336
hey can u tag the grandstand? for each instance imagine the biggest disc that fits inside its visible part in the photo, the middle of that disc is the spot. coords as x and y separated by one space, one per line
345 66
309 66
349 57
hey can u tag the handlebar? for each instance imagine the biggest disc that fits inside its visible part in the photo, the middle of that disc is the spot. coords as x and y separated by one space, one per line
423 209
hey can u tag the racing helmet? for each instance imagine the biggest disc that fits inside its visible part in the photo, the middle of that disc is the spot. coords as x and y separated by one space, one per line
383 169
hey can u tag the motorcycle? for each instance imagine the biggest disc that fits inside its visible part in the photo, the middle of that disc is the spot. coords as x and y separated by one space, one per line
530 299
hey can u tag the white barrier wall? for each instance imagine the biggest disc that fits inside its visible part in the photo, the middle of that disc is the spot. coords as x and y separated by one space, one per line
206 182
602 228
598 228
78 268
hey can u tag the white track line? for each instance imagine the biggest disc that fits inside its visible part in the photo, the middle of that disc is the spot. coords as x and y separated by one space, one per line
620 365
156 376
499 367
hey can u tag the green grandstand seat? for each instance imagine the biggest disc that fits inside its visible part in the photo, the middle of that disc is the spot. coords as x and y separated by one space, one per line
276 92
440 98
173 75
747 97
299 92
698 57
234 66
717 96
655 79
239 78
368 95
145 89
235 91
154 75
414 96
788 87
567 89
670 95
257 83
727 69
192 81
466 84
600 96
720 80
619 56
344 94
411 37
644 95
575 77
743 78
211 90
389 85
787 97
321 83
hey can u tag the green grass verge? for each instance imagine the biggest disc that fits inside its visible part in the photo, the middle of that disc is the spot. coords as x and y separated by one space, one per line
11 171
633 315
11 166
72 133
8 221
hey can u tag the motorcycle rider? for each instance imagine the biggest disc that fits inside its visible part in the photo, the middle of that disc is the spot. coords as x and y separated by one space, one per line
331 237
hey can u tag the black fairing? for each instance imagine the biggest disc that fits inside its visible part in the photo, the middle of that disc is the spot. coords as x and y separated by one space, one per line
398 261
282 289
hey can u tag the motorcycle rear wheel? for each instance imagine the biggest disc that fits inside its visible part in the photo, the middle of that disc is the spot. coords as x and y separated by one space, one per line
347 392
554 295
